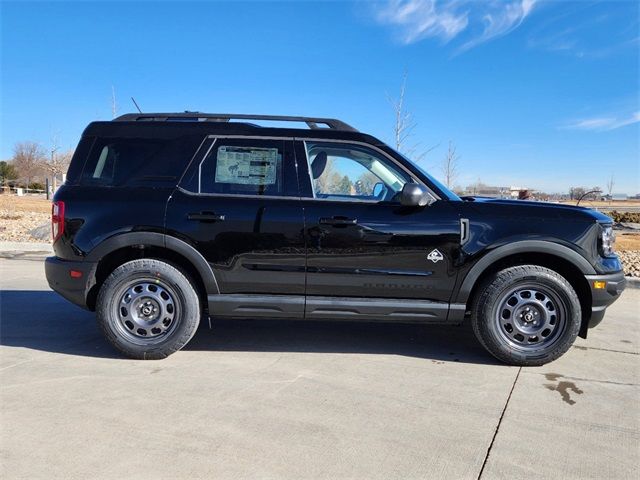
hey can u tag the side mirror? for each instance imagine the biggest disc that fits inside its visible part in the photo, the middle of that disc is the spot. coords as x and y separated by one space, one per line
414 195
378 189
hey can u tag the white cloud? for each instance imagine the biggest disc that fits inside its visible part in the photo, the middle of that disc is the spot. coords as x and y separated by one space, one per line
445 20
602 124
420 19
501 21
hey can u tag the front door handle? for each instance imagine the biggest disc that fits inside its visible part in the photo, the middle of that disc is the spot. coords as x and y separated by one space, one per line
338 221
206 217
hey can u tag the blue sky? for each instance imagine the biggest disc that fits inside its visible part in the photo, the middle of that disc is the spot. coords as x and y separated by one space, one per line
544 94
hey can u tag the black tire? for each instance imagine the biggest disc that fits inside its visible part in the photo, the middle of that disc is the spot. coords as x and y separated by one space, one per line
526 315
148 309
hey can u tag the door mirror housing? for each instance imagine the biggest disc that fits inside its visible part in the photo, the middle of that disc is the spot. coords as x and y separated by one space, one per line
379 190
414 195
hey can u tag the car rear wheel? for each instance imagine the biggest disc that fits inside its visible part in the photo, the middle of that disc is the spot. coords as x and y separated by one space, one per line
148 309
526 315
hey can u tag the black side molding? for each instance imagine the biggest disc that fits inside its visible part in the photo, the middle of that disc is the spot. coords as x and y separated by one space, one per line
524 246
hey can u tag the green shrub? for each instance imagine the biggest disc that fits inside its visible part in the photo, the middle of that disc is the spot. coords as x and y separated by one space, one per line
36 186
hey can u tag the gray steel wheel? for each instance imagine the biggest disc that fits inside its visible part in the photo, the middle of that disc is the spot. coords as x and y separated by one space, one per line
530 317
526 315
147 311
148 308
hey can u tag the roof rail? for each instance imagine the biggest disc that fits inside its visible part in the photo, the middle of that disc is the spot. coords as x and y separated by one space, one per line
313 123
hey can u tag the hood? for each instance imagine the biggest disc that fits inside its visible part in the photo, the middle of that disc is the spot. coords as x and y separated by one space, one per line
538 209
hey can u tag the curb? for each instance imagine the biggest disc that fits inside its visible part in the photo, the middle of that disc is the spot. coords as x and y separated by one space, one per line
18 249
633 282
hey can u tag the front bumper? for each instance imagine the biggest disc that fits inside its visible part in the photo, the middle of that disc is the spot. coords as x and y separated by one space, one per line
601 298
58 273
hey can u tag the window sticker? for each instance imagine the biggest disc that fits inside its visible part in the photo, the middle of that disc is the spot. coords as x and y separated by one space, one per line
247 165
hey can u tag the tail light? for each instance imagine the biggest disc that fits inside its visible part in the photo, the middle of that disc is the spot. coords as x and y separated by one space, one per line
57 220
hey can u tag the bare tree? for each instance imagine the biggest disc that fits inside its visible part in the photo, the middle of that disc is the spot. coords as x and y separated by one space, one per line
28 158
114 106
610 185
404 126
450 165
477 187
57 165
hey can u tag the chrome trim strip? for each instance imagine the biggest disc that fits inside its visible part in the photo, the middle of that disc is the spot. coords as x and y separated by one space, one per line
252 137
200 164
191 161
238 195
306 155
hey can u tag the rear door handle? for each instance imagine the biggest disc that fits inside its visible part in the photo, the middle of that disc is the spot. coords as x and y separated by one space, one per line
338 221
206 217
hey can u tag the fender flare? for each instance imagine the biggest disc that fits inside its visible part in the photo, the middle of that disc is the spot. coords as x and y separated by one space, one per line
524 246
159 240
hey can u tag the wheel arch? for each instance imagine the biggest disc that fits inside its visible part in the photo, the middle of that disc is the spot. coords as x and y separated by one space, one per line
130 246
568 263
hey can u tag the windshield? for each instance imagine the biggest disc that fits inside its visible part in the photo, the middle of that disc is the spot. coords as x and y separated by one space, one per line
448 193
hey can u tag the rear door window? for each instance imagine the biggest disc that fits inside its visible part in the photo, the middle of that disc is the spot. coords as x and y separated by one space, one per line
138 161
248 167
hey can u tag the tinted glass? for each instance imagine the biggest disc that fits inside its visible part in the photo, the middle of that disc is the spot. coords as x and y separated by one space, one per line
352 172
248 167
138 161
79 156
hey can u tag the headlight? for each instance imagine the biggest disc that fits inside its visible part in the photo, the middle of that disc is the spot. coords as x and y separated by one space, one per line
607 242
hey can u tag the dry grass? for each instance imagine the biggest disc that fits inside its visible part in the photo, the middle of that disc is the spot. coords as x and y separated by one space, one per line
627 241
26 204
613 204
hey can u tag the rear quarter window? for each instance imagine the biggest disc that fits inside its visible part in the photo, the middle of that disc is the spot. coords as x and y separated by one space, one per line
118 162
77 162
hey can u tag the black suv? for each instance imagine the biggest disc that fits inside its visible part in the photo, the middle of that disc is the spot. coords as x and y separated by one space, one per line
166 219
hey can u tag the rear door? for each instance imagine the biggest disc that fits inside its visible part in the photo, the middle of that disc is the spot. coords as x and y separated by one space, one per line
238 205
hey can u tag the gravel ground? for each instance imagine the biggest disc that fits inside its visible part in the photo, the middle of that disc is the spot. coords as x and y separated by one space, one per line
16 226
631 262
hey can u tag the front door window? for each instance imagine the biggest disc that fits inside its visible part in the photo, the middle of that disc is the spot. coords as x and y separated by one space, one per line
353 173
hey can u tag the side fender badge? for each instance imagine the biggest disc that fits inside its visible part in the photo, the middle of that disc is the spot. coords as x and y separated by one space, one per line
435 256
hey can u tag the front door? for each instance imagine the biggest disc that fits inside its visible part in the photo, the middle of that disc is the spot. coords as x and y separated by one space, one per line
238 204
363 246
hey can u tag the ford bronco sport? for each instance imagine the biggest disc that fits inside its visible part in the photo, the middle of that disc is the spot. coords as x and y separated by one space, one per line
165 219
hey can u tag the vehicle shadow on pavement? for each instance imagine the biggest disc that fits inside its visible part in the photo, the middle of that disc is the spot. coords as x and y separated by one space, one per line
42 320
435 342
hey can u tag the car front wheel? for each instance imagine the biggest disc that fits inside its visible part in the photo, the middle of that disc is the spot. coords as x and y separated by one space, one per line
148 309
526 315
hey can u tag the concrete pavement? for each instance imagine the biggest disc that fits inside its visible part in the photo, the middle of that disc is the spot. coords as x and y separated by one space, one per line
269 399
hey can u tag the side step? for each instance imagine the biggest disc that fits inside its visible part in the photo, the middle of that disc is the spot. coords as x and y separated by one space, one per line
398 310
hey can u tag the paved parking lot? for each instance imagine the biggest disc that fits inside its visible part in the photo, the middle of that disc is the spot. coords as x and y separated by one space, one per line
269 399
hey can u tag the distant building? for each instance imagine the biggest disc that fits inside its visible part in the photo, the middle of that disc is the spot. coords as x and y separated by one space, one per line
482 190
620 197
